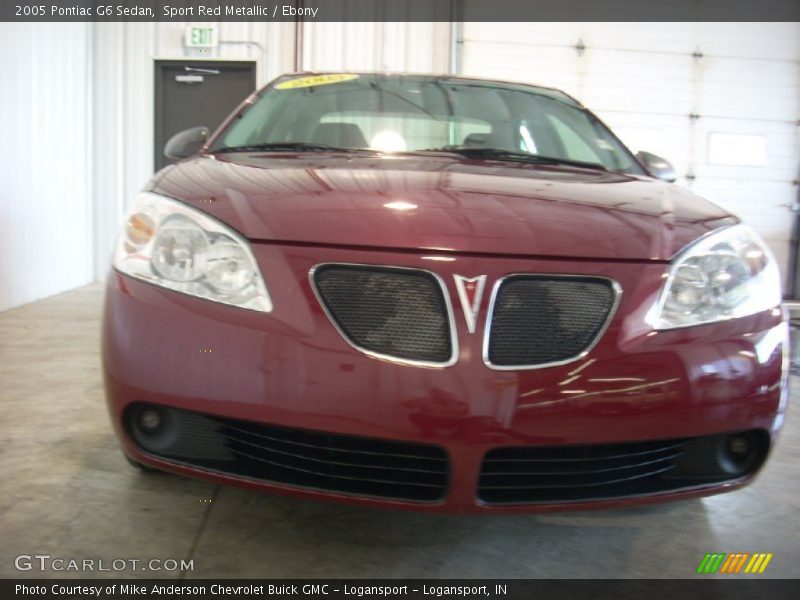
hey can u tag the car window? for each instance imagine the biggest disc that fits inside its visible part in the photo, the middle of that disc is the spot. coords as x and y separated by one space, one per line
418 113
415 131
574 147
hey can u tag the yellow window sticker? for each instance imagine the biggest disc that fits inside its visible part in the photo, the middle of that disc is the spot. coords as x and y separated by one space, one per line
302 82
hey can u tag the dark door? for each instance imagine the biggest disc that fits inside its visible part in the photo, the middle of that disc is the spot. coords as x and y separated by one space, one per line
191 93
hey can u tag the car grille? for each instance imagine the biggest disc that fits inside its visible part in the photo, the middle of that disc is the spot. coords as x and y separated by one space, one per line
517 475
398 313
298 457
540 319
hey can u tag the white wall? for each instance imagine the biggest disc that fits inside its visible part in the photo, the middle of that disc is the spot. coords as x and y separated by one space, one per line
45 208
415 47
643 80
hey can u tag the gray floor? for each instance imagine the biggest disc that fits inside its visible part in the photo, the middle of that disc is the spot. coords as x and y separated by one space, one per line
67 492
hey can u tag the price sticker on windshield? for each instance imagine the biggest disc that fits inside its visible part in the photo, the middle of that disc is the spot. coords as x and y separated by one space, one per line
302 82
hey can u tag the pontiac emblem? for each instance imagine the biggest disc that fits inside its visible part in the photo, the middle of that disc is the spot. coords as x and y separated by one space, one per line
470 292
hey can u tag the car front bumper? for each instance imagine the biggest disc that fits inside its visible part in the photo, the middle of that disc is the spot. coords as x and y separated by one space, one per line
292 369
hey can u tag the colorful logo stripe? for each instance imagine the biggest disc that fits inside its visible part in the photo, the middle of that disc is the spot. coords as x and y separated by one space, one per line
758 564
738 562
710 563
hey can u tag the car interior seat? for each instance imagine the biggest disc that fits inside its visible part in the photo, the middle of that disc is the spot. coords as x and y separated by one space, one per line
493 139
345 135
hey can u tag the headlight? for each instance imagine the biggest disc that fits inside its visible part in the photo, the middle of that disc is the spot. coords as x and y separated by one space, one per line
727 274
172 245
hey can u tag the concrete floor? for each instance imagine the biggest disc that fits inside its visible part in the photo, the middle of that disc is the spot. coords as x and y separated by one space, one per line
67 492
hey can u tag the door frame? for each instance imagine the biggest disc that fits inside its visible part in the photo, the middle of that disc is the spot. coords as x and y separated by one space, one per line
158 66
793 276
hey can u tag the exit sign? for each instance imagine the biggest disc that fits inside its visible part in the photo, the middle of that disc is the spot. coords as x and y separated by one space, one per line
202 36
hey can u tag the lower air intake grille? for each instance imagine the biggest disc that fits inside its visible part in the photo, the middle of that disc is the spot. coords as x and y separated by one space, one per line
519 475
297 457
399 313
540 319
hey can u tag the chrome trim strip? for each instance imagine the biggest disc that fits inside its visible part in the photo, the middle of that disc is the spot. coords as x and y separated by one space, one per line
388 357
617 289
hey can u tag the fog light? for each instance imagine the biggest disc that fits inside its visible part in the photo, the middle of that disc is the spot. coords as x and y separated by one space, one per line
739 446
149 420
739 453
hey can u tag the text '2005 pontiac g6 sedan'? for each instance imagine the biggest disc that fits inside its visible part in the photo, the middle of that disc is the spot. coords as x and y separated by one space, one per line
442 294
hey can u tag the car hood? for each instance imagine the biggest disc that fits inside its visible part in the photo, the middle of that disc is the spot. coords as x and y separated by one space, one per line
443 204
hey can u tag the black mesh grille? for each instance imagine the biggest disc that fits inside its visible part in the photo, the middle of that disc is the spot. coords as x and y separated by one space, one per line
540 319
298 457
569 473
395 312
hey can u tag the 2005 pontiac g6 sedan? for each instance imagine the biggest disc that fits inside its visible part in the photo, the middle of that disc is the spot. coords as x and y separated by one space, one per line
443 294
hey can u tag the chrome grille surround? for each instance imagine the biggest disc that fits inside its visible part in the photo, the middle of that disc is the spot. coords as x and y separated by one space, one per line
453 336
617 296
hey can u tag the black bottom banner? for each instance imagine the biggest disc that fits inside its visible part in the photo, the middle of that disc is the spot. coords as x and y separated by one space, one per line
413 589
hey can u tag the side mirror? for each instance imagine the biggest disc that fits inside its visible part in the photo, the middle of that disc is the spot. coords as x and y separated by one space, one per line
657 167
186 143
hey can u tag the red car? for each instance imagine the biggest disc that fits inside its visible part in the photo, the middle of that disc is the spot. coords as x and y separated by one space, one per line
442 294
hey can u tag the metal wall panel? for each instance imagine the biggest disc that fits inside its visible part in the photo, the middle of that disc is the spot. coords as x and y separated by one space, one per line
45 208
666 87
383 46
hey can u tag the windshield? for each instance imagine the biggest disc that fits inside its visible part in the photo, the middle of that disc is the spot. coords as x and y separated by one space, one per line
390 113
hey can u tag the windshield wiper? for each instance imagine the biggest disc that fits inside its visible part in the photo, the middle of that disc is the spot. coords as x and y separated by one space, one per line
290 146
501 154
